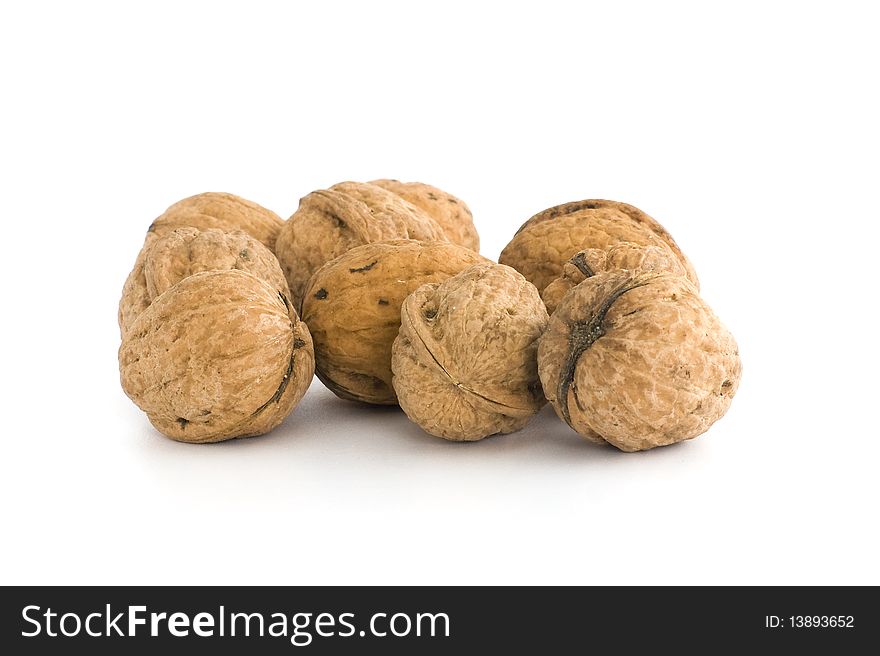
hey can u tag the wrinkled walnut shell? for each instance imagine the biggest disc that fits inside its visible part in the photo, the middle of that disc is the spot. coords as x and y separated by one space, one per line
167 260
624 255
638 360
352 308
451 213
222 211
465 361
331 221
549 239
221 354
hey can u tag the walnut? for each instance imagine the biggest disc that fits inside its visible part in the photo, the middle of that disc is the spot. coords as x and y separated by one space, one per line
221 354
624 255
637 359
465 360
166 260
352 307
331 221
219 210
451 213
546 241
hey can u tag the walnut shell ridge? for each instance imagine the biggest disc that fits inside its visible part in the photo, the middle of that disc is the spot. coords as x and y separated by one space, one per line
219 355
637 359
219 210
549 239
625 255
331 221
352 307
453 215
167 260
465 360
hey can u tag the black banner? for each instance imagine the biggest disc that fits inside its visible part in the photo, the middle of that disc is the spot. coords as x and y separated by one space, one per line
433 620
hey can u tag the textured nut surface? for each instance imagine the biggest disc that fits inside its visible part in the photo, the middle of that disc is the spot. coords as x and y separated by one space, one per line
167 260
453 215
625 255
637 359
330 222
352 308
219 210
546 241
465 360
221 354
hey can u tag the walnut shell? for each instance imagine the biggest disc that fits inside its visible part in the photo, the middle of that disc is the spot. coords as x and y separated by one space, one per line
549 239
637 359
453 215
167 260
352 308
331 221
219 210
465 360
624 255
221 354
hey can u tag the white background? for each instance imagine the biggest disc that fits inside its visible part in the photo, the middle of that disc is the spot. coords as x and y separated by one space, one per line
750 131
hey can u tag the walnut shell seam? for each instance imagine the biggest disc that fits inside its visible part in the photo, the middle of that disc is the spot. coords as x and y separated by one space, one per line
424 345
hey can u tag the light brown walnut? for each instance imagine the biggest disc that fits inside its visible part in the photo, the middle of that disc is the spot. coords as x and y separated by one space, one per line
331 221
184 251
352 307
545 242
219 355
465 360
222 211
453 215
624 255
637 359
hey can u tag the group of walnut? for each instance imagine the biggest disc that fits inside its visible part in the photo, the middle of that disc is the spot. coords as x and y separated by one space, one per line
379 288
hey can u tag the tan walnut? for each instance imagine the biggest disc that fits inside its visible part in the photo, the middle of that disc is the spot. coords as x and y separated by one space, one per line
221 354
352 307
167 260
637 359
465 361
222 211
453 215
331 221
625 255
549 239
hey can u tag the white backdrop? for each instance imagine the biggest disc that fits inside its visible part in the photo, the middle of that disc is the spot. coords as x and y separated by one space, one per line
750 131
